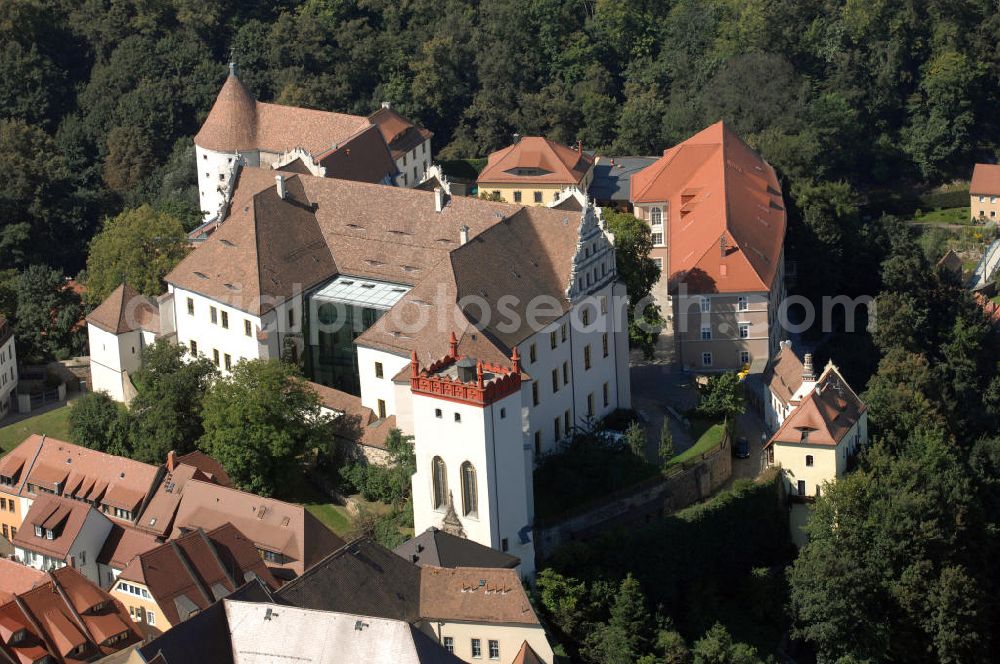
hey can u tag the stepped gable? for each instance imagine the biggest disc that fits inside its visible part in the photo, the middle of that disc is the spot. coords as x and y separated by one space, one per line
549 162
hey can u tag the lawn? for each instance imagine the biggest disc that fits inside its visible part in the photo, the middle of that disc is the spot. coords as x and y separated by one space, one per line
996 299
53 423
333 516
957 215
707 433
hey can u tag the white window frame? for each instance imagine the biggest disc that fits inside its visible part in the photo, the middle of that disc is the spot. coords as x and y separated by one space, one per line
656 217
657 238
742 303
706 332
705 304
744 330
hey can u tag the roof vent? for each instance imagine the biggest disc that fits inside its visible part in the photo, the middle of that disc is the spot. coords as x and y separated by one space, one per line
227 243
200 275
280 184
438 199
463 234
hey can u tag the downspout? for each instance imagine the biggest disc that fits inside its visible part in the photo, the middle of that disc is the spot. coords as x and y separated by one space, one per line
493 479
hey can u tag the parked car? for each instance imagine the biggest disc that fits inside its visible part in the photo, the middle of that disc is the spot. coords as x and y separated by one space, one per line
741 450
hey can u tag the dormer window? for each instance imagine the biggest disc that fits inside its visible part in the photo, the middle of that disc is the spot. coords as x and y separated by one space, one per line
39 531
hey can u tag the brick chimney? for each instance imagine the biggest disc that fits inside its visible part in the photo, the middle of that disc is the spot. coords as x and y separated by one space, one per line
171 461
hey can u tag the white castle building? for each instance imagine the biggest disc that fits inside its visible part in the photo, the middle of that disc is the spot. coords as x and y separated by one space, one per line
489 331
8 368
381 148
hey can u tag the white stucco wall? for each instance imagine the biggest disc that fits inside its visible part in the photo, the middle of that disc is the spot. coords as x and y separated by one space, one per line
374 388
209 336
111 355
414 164
83 552
490 439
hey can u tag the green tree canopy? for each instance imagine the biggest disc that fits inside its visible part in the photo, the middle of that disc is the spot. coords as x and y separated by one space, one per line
48 314
633 243
170 387
139 247
99 422
258 423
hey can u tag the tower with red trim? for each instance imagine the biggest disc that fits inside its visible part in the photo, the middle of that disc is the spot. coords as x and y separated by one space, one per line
470 454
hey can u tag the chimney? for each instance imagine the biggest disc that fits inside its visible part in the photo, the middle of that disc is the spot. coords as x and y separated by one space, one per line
280 184
466 369
517 138
452 346
463 234
232 69
579 147
438 199
386 104
171 461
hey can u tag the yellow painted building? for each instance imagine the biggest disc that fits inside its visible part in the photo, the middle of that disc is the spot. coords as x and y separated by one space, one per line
142 608
534 171
984 193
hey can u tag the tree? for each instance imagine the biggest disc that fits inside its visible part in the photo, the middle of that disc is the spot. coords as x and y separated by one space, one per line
139 247
666 444
389 483
47 315
633 243
259 421
170 388
722 397
99 422
635 439
626 635
564 599
717 647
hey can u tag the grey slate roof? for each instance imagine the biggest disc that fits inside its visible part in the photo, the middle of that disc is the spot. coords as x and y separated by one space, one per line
612 183
436 548
362 577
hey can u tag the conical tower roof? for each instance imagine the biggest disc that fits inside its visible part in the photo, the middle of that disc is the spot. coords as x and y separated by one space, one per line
231 125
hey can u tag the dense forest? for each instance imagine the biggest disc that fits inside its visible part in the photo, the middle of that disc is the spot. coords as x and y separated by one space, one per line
857 103
99 99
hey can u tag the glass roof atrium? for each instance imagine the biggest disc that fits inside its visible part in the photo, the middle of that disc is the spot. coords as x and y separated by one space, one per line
362 292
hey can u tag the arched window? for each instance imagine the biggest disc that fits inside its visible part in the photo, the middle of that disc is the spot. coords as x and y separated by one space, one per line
439 475
655 216
470 495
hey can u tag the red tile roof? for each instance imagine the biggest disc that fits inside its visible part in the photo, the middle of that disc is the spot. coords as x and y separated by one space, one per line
825 414
546 162
83 473
725 215
16 578
193 571
526 655
57 617
400 134
124 543
985 180
62 516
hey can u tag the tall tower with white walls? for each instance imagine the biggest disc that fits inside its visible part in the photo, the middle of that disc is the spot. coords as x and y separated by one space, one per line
473 472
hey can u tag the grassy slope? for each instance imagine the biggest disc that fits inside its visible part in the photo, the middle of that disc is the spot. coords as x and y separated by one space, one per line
53 423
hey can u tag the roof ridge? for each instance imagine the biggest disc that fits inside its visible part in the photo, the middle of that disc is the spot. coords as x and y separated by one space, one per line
187 568
76 615
210 544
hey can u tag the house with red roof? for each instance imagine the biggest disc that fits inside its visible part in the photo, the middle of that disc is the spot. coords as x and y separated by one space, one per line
826 426
535 171
717 218
65 620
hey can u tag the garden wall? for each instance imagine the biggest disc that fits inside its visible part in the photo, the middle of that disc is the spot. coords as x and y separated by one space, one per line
640 504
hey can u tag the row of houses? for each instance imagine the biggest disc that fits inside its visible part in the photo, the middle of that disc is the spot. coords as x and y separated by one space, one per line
163 545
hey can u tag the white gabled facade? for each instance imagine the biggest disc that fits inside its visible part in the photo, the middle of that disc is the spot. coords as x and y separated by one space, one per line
8 369
414 165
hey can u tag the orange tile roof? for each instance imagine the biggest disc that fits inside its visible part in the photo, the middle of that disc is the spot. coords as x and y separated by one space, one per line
985 180
783 374
725 215
549 163
825 414
526 655
124 543
16 578
85 474
126 310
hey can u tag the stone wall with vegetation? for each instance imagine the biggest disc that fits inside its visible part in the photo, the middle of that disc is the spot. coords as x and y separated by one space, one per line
641 503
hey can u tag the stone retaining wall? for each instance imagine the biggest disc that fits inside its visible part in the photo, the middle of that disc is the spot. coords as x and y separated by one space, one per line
640 504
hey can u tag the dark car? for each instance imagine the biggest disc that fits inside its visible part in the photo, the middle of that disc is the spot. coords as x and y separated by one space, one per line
742 448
